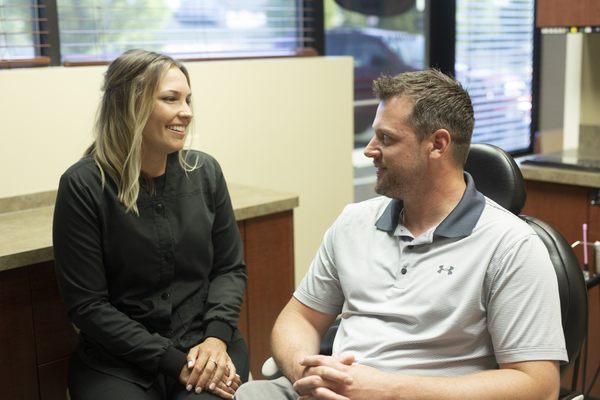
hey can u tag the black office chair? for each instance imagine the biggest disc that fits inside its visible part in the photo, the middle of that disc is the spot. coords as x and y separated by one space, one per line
498 177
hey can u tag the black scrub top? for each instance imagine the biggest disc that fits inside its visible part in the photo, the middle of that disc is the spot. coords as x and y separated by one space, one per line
144 289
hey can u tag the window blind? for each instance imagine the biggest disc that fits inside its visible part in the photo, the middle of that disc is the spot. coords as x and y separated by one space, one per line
494 62
22 33
100 30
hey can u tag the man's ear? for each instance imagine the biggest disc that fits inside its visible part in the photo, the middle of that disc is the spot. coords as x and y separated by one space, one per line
440 143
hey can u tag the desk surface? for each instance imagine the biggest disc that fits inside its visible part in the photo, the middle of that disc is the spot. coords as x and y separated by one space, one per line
561 175
26 232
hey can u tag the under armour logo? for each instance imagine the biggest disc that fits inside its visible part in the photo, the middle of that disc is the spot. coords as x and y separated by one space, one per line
446 269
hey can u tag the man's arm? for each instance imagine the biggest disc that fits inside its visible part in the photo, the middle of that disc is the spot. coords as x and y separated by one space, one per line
523 380
297 334
531 380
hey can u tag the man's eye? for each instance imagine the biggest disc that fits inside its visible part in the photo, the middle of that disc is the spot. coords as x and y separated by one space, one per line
385 140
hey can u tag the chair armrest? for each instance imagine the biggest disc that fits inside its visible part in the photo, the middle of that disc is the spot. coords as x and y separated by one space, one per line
570 396
270 370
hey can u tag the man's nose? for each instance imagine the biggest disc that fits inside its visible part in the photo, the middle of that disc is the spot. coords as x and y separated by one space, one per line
371 150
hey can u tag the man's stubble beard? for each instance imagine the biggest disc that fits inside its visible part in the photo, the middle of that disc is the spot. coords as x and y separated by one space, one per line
393 188
397 186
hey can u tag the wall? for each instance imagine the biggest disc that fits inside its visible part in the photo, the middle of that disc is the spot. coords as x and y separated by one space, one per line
283 124
590 81
552 95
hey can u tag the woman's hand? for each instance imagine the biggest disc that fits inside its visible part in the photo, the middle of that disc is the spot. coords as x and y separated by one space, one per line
221 390
210 367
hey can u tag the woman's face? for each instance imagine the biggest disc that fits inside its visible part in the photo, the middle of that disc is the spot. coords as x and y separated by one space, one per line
165 130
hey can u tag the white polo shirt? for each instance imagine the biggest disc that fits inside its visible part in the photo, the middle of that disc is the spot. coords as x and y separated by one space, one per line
477 290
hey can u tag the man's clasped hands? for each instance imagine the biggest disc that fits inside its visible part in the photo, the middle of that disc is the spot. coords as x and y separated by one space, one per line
337 378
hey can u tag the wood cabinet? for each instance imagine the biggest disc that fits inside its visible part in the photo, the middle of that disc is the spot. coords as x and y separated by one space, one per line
567 13
18 369
566 208
36 337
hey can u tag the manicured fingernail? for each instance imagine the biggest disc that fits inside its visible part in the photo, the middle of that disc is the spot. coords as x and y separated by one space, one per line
212 386
198 389
190 364
229 383
188 387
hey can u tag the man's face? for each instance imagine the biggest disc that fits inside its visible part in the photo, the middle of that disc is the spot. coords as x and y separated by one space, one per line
397 153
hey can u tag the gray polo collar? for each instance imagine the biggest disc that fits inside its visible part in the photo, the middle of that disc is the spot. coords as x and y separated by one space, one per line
459 223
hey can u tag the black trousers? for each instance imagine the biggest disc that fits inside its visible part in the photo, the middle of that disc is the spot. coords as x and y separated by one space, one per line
86 383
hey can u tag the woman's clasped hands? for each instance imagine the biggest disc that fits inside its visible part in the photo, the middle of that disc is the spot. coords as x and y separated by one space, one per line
209 367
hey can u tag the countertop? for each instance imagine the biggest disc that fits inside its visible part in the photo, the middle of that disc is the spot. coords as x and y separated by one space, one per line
562 175
26 221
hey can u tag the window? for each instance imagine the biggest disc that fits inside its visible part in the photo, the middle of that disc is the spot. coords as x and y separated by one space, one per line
21 34
494 61
383 37
76 32
100 30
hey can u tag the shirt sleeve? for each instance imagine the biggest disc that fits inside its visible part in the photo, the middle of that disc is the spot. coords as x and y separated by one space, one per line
320 289
228 275
77 240
524 315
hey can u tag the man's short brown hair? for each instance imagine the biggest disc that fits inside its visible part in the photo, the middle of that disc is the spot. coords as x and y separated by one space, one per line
439 102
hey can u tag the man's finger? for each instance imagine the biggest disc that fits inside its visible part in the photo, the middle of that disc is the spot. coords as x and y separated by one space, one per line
323 393
315 360
346 358
333 375
305 386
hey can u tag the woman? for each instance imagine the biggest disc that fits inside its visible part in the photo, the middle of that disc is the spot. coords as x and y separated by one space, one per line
148 254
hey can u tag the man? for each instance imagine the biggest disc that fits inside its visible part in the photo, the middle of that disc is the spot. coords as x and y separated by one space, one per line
442 293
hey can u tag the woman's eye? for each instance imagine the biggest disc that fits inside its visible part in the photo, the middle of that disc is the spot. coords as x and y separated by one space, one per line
169 99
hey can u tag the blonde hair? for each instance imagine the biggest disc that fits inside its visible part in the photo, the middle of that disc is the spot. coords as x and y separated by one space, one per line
130 86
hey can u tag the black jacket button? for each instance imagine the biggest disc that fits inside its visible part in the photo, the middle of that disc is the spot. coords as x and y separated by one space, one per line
165 296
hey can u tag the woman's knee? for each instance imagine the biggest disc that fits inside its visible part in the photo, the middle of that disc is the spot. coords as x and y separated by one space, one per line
86 383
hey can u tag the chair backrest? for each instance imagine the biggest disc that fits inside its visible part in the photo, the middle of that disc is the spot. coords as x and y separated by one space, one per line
498 177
